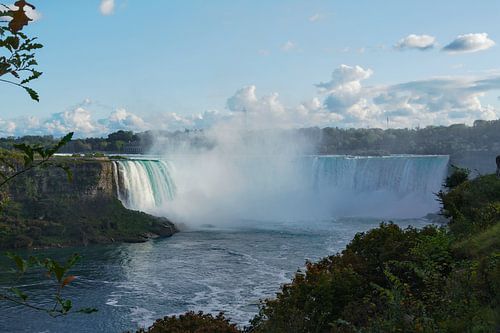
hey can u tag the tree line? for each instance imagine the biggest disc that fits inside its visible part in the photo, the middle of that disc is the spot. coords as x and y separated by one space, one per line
481 136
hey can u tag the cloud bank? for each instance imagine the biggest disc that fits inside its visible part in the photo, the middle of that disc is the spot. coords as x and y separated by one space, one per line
345 100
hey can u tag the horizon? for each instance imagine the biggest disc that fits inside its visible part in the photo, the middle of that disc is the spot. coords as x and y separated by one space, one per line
287 64
203 130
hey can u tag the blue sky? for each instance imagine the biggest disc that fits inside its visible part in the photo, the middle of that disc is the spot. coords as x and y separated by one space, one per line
172 64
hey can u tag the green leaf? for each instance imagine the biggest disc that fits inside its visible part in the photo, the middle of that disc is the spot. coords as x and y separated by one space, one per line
34 76
66 169
33 94
66 305
87 310
67 138
58 271
72 261
19 294
21 264
12 41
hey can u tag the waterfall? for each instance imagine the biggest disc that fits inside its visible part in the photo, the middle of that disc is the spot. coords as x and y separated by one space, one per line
144 184
386 186
399 174
220 189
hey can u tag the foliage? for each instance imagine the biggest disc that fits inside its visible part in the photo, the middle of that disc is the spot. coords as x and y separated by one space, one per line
26 158
191 322
473 205
33 156
457 177
17 50
393 280
18 67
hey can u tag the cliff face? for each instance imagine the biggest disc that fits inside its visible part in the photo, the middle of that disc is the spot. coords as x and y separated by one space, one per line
47 209
90 179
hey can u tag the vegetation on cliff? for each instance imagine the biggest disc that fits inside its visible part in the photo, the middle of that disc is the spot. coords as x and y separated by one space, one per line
436 279
47 210
392 280
191 322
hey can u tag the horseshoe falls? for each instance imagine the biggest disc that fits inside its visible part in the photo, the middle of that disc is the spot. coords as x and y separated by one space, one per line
385 187
144 184
247 223
198 190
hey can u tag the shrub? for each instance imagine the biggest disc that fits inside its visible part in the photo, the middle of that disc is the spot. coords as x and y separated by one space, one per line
191 322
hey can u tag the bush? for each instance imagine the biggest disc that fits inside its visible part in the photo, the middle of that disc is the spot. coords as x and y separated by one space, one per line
457 177
191 322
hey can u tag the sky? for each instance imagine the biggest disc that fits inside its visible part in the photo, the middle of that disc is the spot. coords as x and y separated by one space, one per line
136 65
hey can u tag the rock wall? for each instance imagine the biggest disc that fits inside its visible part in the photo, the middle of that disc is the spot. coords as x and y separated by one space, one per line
46 209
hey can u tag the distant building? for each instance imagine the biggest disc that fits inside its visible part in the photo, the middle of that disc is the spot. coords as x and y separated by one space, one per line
133 148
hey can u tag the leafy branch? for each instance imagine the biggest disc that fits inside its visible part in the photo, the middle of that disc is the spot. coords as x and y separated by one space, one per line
35 156
53 270
18 64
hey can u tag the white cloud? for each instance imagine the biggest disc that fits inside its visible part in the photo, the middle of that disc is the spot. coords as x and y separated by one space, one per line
264 52
107 7
314 18
78 120
344 101
346 76
32 13
7 127
436 101
288 46
418 42
469 43
245 100
121 119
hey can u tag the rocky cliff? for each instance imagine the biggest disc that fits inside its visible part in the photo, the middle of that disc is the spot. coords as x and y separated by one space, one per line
47 209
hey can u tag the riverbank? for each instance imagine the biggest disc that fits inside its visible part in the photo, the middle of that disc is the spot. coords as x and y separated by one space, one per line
46 209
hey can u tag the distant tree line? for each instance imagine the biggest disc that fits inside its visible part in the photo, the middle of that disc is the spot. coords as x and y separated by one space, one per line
483 135
454 139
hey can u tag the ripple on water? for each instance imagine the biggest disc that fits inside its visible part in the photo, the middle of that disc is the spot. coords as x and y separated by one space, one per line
209 270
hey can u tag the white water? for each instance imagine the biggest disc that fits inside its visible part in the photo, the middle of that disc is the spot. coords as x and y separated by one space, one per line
144 184
260 188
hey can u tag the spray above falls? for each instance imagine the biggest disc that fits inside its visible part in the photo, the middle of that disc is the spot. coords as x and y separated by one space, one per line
203 189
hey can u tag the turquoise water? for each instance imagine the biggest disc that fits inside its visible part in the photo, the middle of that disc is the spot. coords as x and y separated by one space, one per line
211 270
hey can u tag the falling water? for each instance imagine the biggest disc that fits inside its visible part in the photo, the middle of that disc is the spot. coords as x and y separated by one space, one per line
266 188
144 184
397 174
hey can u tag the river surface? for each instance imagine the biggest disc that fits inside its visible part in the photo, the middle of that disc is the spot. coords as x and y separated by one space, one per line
208 269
